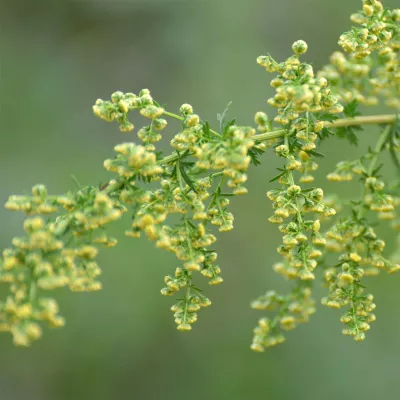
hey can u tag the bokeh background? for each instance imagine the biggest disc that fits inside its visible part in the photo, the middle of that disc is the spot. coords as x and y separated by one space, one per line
57 57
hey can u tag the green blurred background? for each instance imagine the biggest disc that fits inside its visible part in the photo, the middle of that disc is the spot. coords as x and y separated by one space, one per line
57 57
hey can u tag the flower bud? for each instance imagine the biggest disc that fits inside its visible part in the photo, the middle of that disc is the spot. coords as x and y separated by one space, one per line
299 47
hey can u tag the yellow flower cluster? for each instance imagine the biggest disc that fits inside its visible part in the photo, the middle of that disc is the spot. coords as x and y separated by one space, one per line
133 160
345 171
186 181
188 240
53 254
300 235
356 85
355 238
38 203
229 155
298 92
293 309
297 89
192 132
121 103
180 200
372 67
378 28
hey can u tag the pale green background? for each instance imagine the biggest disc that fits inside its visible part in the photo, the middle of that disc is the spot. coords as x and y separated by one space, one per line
57 57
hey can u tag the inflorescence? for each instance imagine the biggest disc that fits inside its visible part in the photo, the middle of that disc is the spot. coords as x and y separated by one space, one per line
179 201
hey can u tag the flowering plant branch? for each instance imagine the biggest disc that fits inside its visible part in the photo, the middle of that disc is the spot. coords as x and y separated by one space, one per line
175 200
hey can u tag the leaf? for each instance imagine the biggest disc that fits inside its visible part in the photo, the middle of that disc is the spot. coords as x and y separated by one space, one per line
191 223
186 178
206 129
351 109
376 170
277 177
325 133
327 117
228 125
183 155
307 190
349 134
196 288
361 285
227 194
188 164
295 145
221 117
316 153
254 154
173 171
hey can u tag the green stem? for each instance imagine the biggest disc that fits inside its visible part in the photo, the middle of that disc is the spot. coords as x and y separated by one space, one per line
185 219
366 120
172 115
187 298
291 182
32 291
188 241
262 137
216 192
379 147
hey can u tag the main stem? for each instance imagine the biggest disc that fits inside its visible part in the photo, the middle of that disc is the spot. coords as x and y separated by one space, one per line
262 137
364 120
339 123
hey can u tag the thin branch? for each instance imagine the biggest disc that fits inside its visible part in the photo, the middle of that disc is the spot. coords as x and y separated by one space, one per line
365 120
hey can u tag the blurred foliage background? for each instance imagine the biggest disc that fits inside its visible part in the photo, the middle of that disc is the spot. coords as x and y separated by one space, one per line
57 57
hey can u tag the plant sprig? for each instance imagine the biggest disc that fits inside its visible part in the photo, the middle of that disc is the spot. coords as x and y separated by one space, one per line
180 201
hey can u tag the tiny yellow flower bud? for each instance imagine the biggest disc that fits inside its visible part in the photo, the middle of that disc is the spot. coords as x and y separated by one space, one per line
304 156
346 278
192 266
369 10
282 212
123 106
287 322
261 118
355 257
39 190
257 347
316 226
299 47
186 109
216 281
184 327
24 311
359 337
306 275
192 120
294 190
